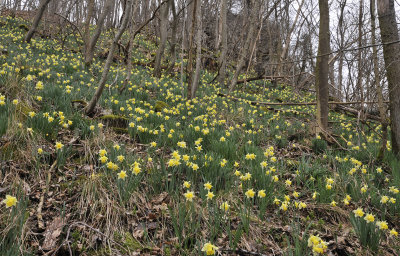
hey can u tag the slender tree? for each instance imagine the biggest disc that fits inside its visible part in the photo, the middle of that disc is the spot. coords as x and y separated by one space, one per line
322 68
224 43
42 7
126 15
199 32
100 24
163 38
391 54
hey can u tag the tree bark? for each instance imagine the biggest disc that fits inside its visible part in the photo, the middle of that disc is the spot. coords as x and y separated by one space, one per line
391 54
359 54
189 68
163 39
322 68
42 7
92 104
199 32
378 86
224 43
90 11
174 31
341 57
93 40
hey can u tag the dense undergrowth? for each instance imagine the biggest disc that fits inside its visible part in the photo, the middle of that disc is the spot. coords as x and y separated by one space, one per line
152 173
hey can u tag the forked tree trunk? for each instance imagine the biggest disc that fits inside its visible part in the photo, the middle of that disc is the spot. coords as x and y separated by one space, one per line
391 54
93 40
163 39
322 68
42 7
92 104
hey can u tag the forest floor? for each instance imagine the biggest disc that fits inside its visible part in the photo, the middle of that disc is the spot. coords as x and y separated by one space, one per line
151 173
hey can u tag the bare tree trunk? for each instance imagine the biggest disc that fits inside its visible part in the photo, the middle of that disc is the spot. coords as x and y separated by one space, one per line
93 41
42 7
199 32
322 68
378 86
218 26
90 11
359 56
244 51
163 38
174 31
189 21
391 54
92 104
341 57
224 43
189 68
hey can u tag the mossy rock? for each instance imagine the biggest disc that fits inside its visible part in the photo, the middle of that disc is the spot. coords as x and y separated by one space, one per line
120 130
79 104
160 105
115 120
24 27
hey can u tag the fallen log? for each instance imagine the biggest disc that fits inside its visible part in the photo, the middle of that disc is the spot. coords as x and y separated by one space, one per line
338 105
354 112
296 103
259 78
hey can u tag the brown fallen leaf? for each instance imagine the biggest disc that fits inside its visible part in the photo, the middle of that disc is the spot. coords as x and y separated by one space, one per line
52 233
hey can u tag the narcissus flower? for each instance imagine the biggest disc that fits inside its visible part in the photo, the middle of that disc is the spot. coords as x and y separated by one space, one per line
225 206
210 195
209 249
261 193
59 145
369 218
10 201
382 225
189 196
358 212
122 175
186 184
393 232
208 186
250 193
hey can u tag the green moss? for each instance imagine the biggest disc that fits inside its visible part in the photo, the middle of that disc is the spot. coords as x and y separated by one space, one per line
115 120
24 27
120 130
160 105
